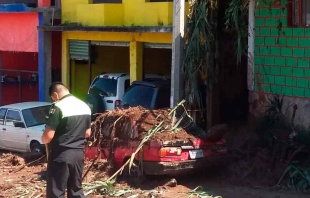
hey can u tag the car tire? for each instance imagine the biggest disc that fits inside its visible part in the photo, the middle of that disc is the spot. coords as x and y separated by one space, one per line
135 171
36 148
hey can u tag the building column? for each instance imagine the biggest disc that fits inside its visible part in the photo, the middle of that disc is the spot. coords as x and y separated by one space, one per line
177 52
45 61
251 44
136 61
65 62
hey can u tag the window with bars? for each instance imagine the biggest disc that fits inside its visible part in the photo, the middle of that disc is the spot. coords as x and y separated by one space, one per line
299 13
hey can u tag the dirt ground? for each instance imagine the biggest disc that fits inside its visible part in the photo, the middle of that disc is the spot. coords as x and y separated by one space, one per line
18 180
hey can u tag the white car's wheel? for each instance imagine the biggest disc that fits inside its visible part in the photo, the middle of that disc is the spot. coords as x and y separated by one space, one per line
36 148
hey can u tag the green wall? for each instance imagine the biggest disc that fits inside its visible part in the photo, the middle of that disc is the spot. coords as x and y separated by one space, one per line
281 62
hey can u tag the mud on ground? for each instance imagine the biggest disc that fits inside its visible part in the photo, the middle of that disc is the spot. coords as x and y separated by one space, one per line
20 177
30 182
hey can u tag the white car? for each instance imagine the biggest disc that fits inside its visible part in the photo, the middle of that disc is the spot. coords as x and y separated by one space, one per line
22 125
107 90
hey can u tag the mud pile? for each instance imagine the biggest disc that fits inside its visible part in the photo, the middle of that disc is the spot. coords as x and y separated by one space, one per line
9 159
135 122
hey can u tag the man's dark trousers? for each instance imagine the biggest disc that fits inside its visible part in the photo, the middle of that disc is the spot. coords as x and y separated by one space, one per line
64 171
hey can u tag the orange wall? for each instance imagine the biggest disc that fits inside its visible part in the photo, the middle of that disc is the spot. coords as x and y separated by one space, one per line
18 32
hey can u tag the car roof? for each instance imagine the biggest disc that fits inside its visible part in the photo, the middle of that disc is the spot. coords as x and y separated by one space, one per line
159 83
113 75
117 75
25 105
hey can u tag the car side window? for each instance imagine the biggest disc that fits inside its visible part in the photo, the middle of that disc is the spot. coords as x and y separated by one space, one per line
2 115
11 117
127 84
163 98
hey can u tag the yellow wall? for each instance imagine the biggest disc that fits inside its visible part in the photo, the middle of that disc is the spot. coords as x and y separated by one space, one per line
109 60
129 13
106 36
116 59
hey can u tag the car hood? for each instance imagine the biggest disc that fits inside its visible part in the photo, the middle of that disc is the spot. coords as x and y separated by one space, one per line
39 128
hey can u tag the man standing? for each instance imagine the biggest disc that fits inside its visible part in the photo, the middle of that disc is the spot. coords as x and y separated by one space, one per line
66 131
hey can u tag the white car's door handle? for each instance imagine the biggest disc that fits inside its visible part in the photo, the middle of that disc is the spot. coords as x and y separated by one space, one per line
4 129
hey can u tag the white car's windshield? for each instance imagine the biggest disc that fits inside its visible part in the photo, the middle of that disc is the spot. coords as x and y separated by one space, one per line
105 86
36 116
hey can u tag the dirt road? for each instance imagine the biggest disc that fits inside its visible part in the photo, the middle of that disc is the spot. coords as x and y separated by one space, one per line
29 182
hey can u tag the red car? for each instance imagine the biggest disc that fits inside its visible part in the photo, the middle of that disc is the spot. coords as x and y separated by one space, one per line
162 157
168 157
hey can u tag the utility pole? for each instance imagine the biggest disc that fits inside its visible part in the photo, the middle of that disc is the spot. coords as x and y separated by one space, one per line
177 52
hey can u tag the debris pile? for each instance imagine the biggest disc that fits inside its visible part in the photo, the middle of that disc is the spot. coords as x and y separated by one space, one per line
135 122
9 159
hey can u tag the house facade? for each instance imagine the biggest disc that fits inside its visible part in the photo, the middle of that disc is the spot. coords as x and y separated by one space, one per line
26 62
282 55
105 36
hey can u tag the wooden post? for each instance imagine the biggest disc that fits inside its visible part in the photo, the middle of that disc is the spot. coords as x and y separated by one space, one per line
177 52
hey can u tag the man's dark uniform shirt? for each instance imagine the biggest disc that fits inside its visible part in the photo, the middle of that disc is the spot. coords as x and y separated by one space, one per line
70 118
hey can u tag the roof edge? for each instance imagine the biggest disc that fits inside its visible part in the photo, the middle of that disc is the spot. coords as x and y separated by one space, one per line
155 29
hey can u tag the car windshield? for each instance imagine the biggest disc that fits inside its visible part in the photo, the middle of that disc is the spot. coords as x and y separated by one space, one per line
104 86
36 116
138 95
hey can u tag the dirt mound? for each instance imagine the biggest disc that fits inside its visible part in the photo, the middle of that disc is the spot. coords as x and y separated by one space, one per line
9 159
99 171
135 122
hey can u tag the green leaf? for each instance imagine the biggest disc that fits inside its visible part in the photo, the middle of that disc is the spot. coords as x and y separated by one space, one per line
179 121
294 173
287 169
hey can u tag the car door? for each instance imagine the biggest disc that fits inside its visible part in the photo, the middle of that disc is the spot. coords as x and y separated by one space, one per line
163 98
14 135
2 116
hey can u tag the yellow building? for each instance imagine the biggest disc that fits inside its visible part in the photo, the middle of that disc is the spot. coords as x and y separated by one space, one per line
127 36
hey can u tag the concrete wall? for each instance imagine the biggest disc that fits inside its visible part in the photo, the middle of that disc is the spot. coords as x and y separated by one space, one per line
18 32
281 64
128 13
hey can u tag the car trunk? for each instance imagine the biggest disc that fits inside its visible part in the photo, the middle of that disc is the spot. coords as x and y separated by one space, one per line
159 151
